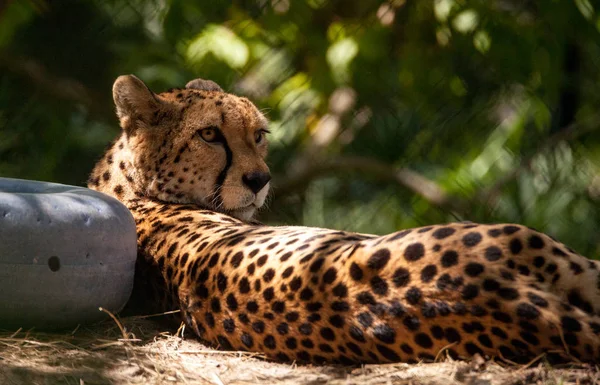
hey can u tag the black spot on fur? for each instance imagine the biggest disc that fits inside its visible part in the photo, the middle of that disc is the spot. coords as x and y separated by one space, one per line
527 311
575 299
452 335
228 325
278 307
356 333
411 322
224 343
428 310
414 252
379 259
387 353
536 242
515 246
473 269
575 268
428 273
470 291
379 286
443 232
356 272
490 284
330 275
508 293
437 332
401 277
236 260
523 270
327 334
340 290
305 329
530 338
478 311
385 333
471 239
316 265
118 189
423 340
337 321
501 316
570 324
306 294
499 332
365 319
449 258
413 295
493 253
365 298
244 285
507 275
247 340
340 306
268 294
510 229
539 261
269 275
231 302
269 342
494 233
537 300
473 349
215 305
396 309
558 252
287 272
444 281
252 307
262 260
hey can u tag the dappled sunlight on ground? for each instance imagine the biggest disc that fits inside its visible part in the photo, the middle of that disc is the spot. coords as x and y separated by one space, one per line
150 355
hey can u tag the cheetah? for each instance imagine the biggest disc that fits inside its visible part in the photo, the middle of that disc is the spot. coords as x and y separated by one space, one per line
190 165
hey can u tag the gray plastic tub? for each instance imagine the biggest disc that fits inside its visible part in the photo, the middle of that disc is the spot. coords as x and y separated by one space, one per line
65 251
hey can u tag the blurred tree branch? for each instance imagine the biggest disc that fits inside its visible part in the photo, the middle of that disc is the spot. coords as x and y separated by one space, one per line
373 169
574 130
310 170
64 88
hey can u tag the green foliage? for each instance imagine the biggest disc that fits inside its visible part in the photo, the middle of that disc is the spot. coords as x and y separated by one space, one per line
385 114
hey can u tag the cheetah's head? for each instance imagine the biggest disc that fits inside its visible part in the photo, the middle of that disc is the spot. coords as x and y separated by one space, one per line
194 145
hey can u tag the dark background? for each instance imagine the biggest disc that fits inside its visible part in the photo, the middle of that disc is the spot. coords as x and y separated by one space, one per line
385 114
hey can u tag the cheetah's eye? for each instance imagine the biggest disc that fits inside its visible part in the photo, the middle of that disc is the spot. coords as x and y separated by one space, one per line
210 134
259 135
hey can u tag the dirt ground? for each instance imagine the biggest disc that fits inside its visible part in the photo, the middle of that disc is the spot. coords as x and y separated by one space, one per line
138 350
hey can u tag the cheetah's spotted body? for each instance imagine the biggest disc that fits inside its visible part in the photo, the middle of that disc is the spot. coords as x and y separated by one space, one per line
318 295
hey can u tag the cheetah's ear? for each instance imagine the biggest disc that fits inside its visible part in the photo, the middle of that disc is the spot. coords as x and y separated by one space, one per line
134 101
204 85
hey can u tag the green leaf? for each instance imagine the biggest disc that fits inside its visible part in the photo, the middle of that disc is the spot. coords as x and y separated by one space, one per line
220 41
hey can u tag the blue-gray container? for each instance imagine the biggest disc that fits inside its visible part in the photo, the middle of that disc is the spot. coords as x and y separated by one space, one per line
65 251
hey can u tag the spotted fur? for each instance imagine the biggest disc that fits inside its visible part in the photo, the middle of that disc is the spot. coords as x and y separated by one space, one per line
319 295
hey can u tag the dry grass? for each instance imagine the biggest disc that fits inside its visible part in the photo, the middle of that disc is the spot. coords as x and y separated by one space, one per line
137 350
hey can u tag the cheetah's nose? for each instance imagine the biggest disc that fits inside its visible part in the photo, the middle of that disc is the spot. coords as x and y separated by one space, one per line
256 180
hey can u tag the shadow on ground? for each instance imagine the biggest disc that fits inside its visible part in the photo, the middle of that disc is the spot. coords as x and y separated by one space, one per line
151 355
